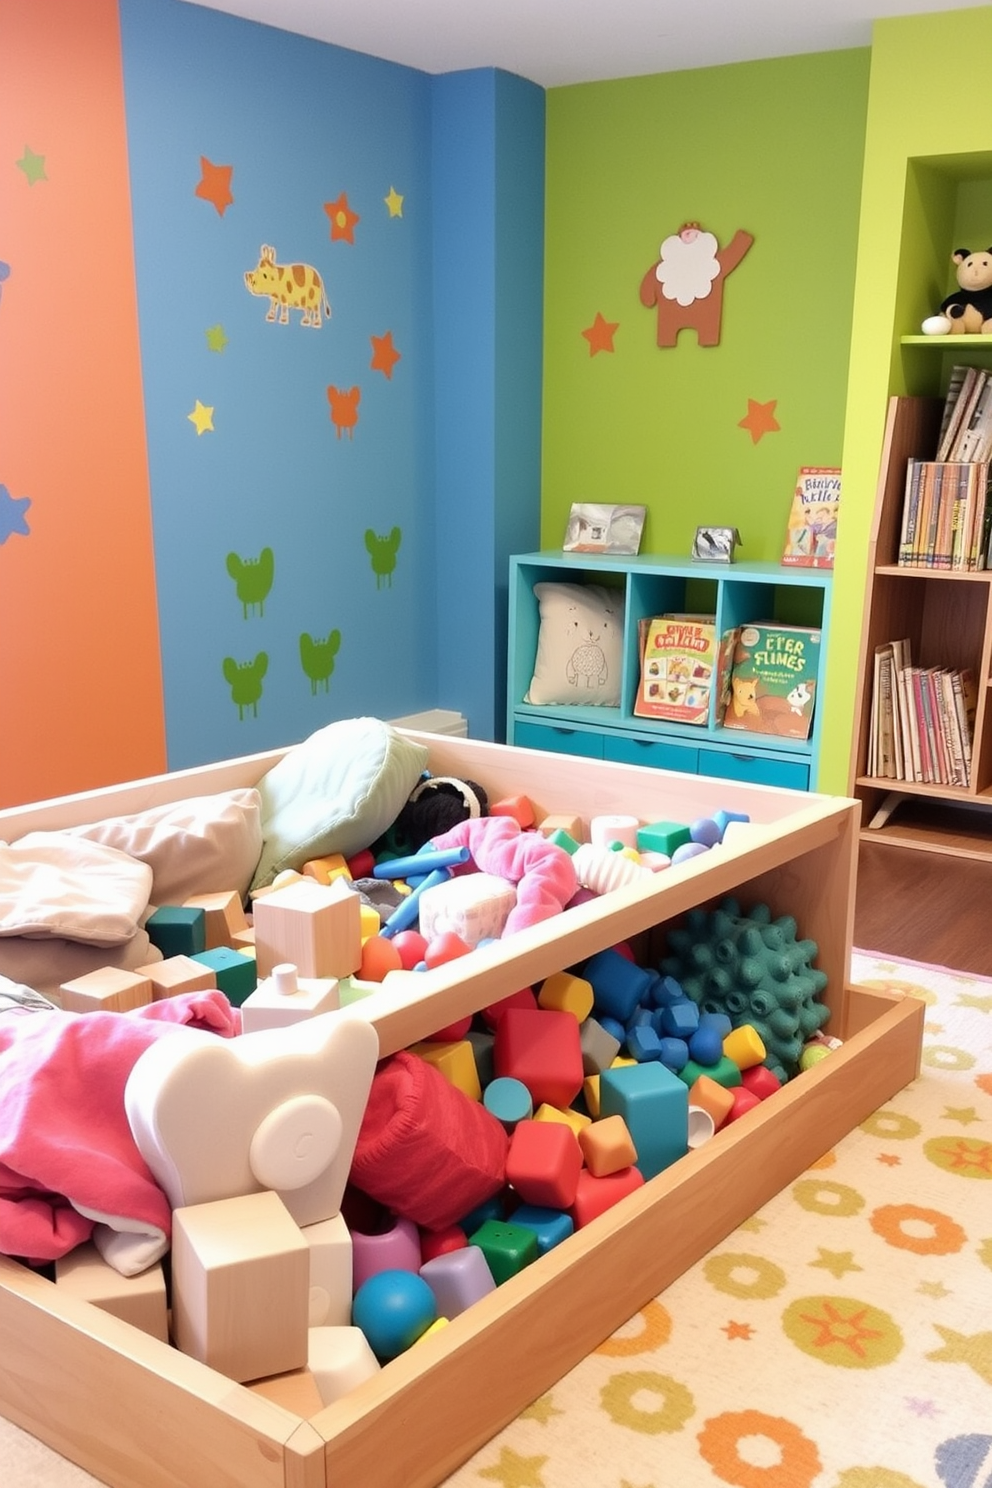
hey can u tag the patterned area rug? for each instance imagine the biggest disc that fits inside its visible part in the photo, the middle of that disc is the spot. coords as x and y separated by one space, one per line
841 1338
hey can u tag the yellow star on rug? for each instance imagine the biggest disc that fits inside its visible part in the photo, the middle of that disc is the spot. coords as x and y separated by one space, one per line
837 1262
972 1000
965 1114
974 1349
933 1289
514 1471
542 1410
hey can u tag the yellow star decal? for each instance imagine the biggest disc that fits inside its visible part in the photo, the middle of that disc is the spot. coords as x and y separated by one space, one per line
216 339
394 202
837 1262
933 1289
514 1471
972 1000
542 1410
965 1114
974 1349
201 418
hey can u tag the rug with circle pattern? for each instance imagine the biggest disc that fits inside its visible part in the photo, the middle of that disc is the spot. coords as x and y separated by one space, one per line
840 1338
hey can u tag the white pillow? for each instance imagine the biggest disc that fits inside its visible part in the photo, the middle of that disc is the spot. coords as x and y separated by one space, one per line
45 964
201 845
52 884
336 792
579 647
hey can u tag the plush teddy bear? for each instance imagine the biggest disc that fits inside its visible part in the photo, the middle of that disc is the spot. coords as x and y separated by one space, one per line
968 311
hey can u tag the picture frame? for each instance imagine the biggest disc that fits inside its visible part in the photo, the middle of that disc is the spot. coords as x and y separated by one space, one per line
594 527
716 544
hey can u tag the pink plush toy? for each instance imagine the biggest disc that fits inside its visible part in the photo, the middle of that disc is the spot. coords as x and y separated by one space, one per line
542 871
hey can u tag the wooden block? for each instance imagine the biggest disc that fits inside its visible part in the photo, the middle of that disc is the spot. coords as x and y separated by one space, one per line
561 821
223 914
177 930
241 1286
177 974
138 1300
295 1391
315 927
107 990
285 998
236 974
331 1272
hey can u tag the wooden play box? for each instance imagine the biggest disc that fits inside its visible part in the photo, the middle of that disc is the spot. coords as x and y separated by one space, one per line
137 1413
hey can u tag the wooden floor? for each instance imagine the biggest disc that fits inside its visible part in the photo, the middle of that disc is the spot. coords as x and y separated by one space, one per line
925 906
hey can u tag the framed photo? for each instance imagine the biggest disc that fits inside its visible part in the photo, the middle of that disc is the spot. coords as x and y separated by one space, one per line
715 544
594 528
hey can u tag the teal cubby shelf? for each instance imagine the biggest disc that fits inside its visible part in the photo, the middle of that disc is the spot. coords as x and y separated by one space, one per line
649 585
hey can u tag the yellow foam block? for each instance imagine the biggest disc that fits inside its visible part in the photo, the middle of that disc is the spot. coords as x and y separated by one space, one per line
564 992
575 1119
456 1062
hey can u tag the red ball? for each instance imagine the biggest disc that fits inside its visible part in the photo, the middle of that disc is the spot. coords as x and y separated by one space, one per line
361 865
412 948
441 1242
445 947
452 1032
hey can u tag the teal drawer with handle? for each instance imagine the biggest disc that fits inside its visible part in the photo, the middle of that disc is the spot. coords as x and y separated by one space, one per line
660 754
756 769
558 739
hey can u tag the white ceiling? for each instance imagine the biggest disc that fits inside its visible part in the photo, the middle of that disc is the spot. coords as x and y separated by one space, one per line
555 42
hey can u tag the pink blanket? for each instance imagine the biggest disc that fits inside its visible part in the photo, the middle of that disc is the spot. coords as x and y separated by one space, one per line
541 870
68 1161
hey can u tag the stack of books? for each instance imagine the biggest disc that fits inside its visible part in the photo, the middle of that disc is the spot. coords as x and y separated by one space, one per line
945 507
922 720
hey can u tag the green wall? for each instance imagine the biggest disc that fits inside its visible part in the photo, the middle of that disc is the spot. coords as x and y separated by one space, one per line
927 178
773 147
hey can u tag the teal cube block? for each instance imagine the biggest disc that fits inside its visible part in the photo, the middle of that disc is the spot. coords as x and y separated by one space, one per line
237 975
177 931
662 837
564 840
654 1103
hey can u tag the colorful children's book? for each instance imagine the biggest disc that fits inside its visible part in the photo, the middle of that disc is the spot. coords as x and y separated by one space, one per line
773 682
677 664
811 534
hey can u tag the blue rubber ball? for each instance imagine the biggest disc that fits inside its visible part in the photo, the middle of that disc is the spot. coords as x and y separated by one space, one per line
393 1309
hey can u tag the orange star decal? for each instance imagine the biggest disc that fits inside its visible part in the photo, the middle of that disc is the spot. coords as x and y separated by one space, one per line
600 334
738 1330
214 184
760 419
384 354
343 219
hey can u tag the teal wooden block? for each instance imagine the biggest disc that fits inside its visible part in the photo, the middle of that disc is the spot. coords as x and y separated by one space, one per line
177 931
662 837
237 975
564 840
654 1103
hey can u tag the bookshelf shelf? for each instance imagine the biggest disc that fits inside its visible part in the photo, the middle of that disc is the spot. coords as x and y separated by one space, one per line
649 585
947 617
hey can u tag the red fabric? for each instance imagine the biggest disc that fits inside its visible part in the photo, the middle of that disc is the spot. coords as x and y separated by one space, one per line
64 1134
425 1149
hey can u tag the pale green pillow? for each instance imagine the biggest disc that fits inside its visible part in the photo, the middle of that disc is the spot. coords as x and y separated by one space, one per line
336 792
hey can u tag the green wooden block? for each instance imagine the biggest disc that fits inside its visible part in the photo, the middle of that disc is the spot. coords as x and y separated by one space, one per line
662 837
177 931
726 1073
564 840
237 975
508 1248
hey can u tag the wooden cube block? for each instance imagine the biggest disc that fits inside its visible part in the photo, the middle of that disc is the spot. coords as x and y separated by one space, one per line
236 974
331 1272
295 1391
223 915
177 930
285 998
177 974
315 927
241 1286
560 821
108 990
138 1300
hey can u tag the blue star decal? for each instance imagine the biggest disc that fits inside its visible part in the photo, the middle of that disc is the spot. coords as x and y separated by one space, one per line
12 515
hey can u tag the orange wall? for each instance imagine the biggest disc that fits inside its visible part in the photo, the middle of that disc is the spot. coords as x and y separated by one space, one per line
80 677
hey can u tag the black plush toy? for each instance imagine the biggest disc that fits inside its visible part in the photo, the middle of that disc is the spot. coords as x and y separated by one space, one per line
435 805
968 311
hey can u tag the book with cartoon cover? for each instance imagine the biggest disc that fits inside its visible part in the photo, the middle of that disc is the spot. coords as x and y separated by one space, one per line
773 681
677 664
811 532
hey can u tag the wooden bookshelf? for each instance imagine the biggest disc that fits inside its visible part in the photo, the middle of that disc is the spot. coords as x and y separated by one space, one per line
947 617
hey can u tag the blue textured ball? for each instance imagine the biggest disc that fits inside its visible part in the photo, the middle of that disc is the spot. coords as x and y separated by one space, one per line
393 1309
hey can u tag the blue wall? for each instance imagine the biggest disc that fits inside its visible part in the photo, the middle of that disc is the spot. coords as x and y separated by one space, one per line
300 123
